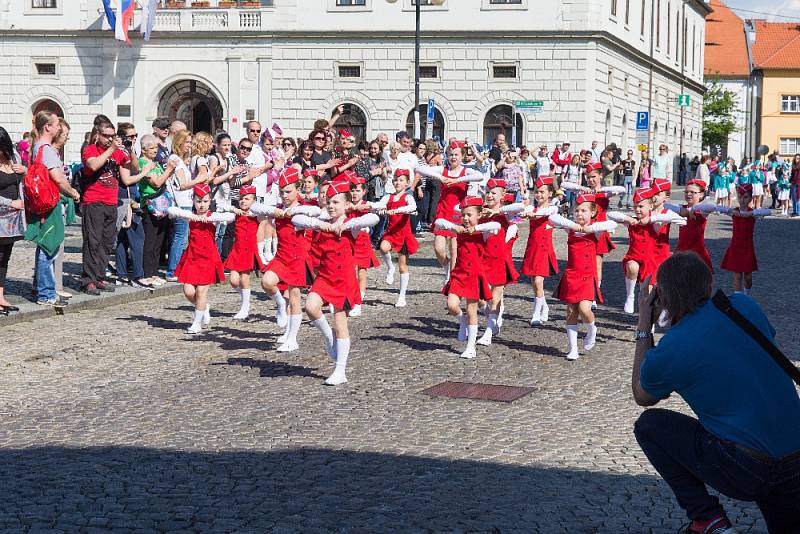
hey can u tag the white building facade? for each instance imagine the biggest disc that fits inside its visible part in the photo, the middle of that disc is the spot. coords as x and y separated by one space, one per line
593 63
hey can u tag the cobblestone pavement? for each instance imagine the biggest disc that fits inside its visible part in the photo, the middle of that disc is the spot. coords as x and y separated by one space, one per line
116 420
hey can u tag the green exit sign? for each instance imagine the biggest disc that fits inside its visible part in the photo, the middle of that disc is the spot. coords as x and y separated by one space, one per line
684 100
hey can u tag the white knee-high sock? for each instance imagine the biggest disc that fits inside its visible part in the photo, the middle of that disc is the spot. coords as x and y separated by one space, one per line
572 341
294 326
197 323
387 260
472 337
207 315
342 352
323 326
245 308
280 308
630 286
403 285
591 336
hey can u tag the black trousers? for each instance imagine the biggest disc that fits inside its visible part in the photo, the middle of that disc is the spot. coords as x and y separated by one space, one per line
5 255
99 222
430 200
156 231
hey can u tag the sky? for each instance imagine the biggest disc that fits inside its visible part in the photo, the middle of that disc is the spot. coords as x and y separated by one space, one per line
776 10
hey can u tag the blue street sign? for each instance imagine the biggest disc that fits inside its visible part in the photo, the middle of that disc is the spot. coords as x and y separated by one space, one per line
642 120
431 107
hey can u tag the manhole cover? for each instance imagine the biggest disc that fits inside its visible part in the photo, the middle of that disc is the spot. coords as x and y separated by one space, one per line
490 392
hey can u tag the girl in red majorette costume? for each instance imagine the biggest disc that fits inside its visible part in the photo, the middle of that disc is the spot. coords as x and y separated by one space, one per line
336 282
398 236
740 257
638 262
290 269
200 265
578 286
244 257
691 236
497 264
365 257
468 279
455 181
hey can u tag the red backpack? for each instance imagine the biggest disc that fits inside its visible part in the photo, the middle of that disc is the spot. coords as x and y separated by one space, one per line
41 193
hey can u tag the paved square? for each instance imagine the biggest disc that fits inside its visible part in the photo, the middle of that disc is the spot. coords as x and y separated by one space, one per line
114 419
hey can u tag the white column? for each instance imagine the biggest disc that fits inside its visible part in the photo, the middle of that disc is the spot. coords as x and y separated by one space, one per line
234 110
264 109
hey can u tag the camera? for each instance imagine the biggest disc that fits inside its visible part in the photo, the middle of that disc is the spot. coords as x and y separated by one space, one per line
127 143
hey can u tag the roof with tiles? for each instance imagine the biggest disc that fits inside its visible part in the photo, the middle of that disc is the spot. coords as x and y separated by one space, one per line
777 45
725 46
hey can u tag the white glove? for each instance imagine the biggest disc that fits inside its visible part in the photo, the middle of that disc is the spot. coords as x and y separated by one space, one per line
617 216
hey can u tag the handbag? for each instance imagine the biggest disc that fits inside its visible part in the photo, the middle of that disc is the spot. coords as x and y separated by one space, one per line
723 304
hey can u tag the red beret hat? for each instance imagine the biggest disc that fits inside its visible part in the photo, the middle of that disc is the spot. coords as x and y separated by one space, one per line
310 172
247 190
495 182
289 175
201 190
510 198
345 176
699 183
643 193
544 180
471 201
457 144
337 187
744 189
591 167
402 171
585 197
661 184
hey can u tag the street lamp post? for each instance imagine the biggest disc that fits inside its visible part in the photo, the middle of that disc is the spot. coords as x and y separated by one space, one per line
417 5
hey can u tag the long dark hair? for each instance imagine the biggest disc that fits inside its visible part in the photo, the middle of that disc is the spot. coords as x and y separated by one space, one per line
684 284
6 145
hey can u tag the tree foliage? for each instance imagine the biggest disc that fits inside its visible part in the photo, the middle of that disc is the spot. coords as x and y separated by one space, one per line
719 107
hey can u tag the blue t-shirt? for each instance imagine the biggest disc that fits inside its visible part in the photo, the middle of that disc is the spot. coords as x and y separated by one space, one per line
736 389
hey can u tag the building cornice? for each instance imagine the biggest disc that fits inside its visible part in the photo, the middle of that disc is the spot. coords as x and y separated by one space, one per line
285 37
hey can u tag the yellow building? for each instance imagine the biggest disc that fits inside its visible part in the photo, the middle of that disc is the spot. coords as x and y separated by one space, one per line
776 62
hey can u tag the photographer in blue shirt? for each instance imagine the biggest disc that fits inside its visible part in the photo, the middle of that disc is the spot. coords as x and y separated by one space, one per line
745 442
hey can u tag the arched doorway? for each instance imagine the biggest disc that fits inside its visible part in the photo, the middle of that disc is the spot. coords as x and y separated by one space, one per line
354 119
498 120
47 105
438 122
193 103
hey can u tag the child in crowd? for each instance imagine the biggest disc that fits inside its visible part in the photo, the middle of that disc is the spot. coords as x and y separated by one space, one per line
579 286
398 236
364 253
468 279
244 256
782 187
200 265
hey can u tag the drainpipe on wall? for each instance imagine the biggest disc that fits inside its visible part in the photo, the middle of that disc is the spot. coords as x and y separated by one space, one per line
650 91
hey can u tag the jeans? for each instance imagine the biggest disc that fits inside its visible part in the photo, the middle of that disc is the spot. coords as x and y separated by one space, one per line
45 277
430 201
178 244
131 239
219 235
626 197
794 195
688 458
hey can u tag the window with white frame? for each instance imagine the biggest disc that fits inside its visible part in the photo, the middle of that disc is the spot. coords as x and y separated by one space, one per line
790 104
613 8
505 1
790 145
50 4
351 2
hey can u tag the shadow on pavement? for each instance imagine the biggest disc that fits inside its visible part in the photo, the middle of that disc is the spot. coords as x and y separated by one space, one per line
316 490
269 369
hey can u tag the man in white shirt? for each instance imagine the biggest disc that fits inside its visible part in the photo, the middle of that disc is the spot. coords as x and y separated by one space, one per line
662 164
595 152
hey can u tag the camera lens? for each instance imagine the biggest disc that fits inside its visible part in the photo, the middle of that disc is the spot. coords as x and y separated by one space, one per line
128 143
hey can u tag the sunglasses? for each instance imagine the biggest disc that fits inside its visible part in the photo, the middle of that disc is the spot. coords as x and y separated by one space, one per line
287 144
132 136
246 147
254 131
319 139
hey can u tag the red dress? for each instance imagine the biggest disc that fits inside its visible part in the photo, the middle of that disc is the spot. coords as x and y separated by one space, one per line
579 281
661 247
244 255
692 237
540 258
452 195
497 264
641 242
200 263
468 279
291 264
365 257
604 243
336 282
398 228
741 254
